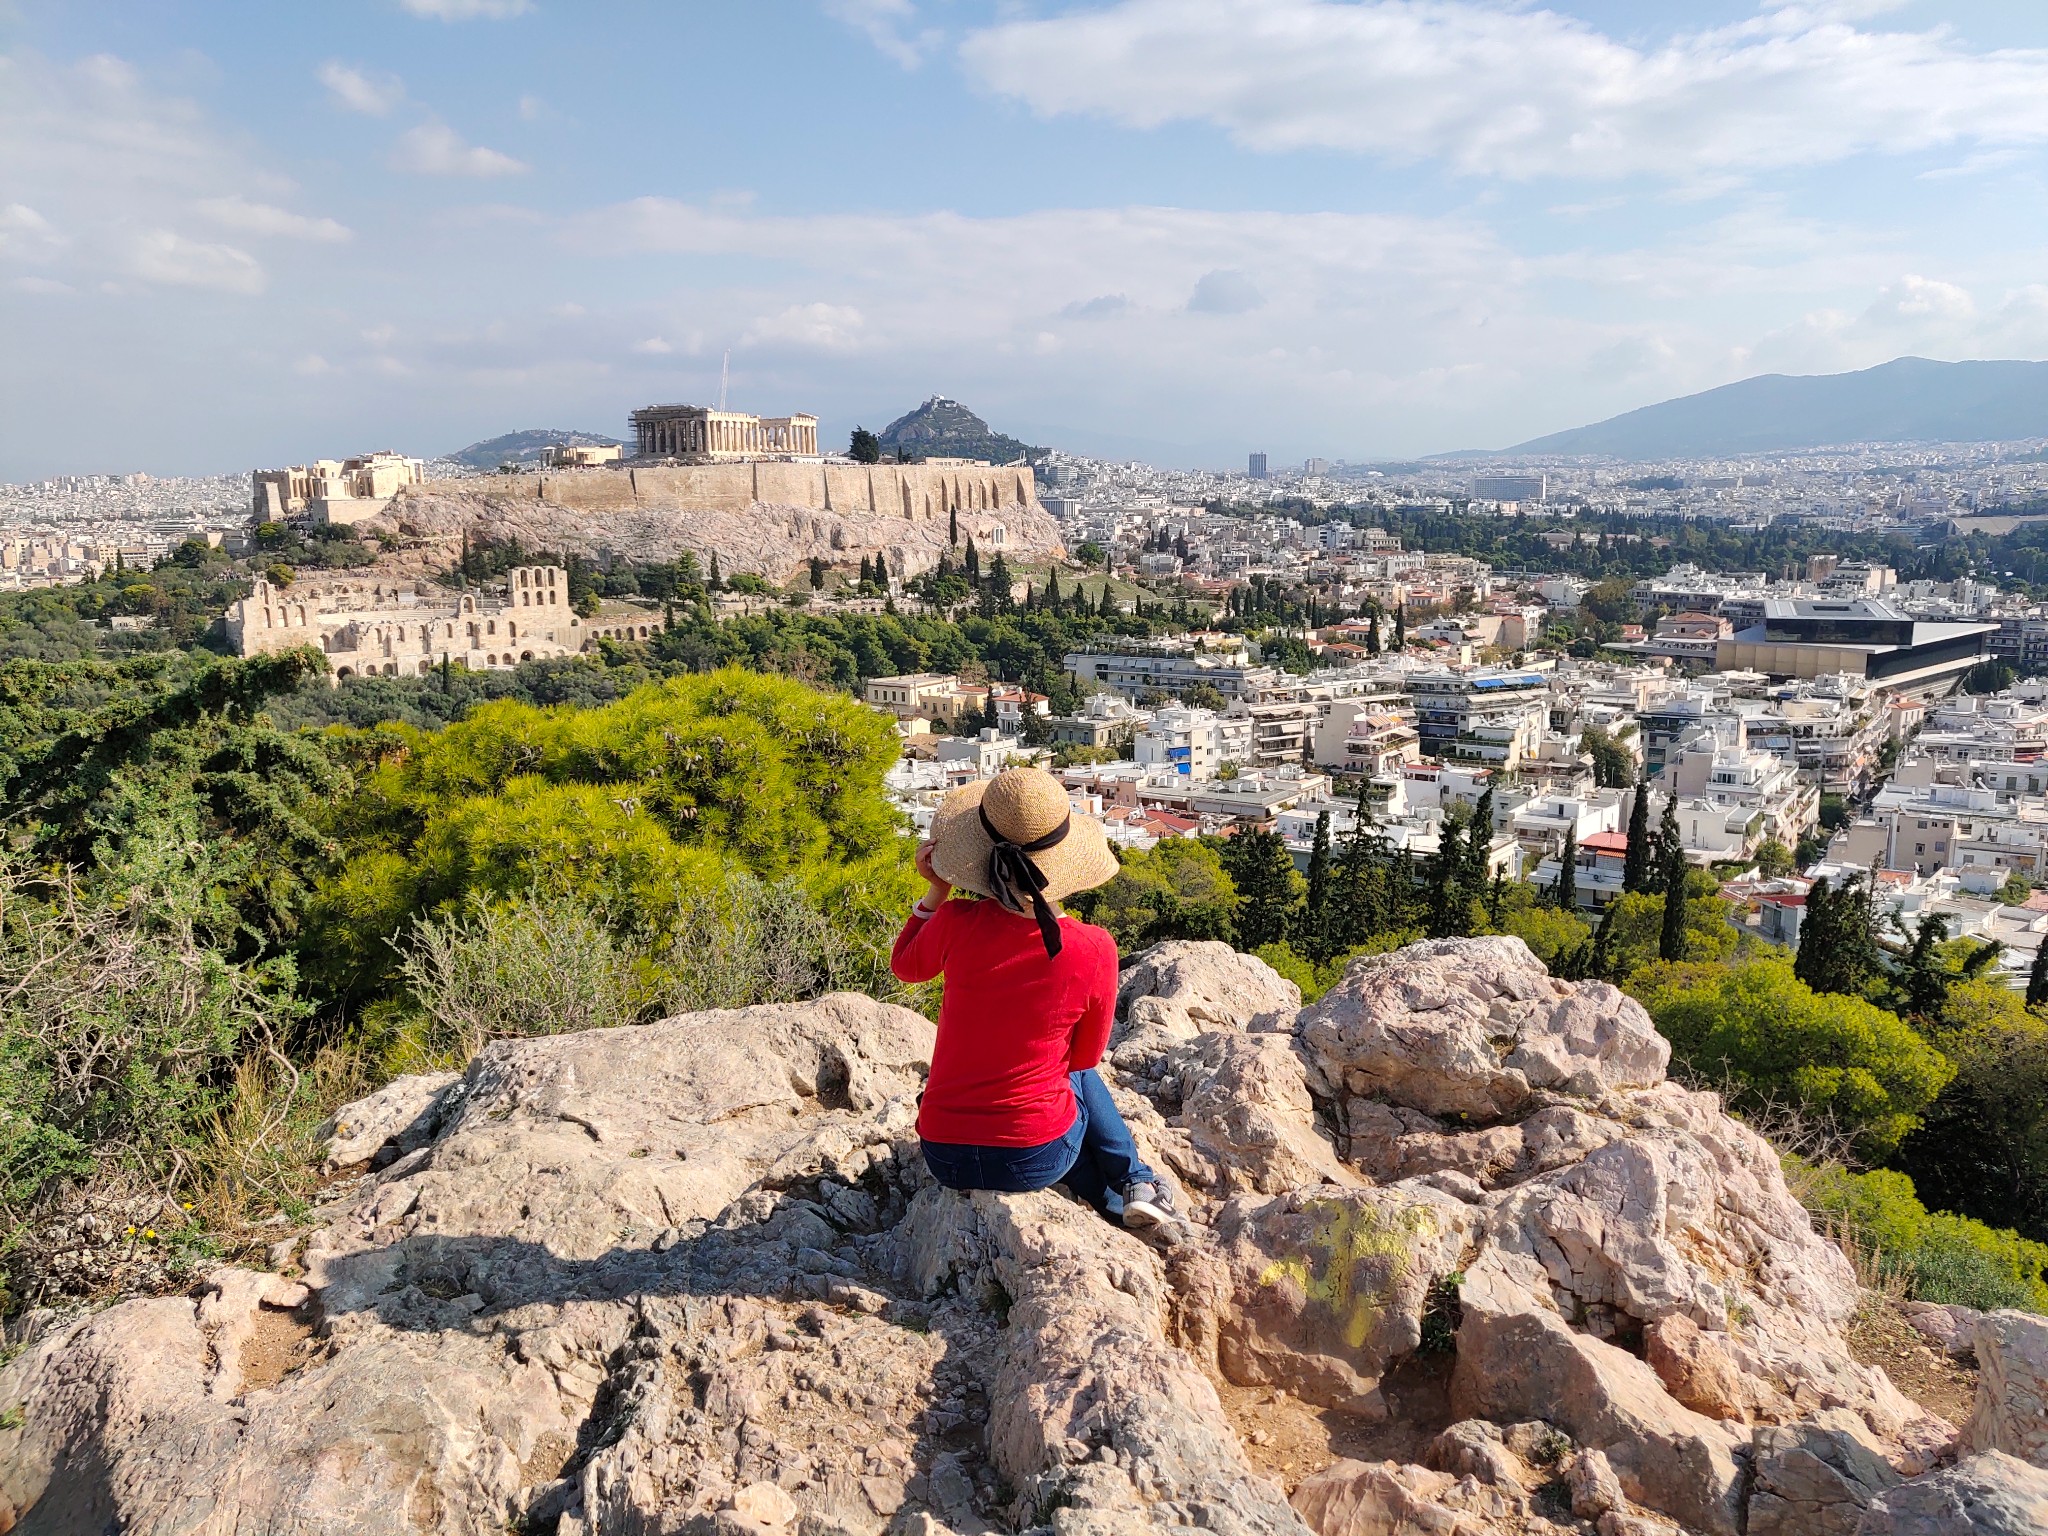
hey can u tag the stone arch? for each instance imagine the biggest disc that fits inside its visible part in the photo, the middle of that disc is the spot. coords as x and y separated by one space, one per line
341 672
426 667
526 655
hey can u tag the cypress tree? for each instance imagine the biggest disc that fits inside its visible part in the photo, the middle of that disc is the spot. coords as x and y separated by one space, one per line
1479 841
1567 888
1449 910
1494 897
1372 634
1635 869
1671 941
1400 626
1052 590
716 581
1314 926
1601 963
953 527
2037 978
973 560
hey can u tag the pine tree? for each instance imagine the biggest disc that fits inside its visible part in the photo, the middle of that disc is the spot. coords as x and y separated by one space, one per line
1314 925
1263 872
1567 889
999 582
1635 869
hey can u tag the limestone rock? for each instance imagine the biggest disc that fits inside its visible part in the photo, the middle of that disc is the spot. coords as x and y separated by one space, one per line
1813 1480
1189 986
1595 1489
1246 1108
403 1112
1329 1287
1356 1498
1471 1027
1989 1495
2012 1387
1951 1329
1517 1360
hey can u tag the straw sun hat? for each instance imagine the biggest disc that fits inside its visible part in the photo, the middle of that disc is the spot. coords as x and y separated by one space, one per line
1002 837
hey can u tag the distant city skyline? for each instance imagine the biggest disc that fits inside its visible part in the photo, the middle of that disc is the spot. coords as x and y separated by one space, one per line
1183 230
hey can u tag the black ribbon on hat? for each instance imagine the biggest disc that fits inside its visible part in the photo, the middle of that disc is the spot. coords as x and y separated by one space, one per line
1012 875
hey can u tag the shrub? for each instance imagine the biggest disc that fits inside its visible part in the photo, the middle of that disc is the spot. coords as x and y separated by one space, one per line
1934 1255
119 1030
1764 1034
537 965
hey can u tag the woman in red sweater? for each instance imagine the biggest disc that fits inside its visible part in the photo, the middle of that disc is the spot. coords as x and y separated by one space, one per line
1013 1101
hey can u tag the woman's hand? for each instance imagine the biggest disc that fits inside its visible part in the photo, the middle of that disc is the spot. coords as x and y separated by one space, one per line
940 889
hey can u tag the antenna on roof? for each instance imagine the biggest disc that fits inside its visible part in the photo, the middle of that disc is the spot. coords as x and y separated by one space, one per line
724 368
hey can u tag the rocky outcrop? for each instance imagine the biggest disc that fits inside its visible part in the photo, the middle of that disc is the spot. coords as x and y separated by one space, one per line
769 519
692 1278
1989 1495
2012 1386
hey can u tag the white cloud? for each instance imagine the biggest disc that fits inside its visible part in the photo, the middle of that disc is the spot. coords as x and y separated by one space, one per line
1914 300
26 235
42 285
372 95
1227 292
435 149
810 327
312 365
164 256
890 25
467 10
1510 91
238 213
653 346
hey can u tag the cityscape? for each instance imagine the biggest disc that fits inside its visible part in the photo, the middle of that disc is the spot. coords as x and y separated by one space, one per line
993 768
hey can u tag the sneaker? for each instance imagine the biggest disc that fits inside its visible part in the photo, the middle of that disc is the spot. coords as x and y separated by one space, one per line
1148 1206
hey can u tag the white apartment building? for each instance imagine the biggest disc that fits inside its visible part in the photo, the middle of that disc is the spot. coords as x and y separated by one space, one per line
1169 673
1714 769
1492 719
1365 737
1194 743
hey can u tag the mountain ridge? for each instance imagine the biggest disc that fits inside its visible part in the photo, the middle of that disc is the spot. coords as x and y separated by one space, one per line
1909 399
524 446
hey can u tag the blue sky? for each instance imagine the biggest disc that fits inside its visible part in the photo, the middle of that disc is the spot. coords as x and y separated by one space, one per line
248 233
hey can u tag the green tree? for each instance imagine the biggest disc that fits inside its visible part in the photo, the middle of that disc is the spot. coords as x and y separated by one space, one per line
1567 890
1263 872
1450 902
1313 930
1838 949
1400 626
1636 863
817 574
1773 857
2037 978
1177 889
865 447
1759 1029
1612 765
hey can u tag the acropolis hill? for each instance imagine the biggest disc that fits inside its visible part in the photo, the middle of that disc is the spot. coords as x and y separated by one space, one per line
767 516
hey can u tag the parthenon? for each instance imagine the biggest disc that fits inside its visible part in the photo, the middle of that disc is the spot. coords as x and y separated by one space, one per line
702 432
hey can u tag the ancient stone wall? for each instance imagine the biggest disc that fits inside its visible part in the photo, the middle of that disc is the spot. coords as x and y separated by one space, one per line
913 492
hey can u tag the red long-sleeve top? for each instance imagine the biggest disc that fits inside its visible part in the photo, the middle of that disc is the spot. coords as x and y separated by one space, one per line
1012 1024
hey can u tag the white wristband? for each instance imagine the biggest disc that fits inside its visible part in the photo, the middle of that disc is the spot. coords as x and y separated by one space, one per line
919 910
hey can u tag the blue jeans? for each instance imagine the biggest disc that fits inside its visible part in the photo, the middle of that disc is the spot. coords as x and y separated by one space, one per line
1096 1158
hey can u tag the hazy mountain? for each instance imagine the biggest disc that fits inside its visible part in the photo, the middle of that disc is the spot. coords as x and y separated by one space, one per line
524 447
1909 399
946 429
